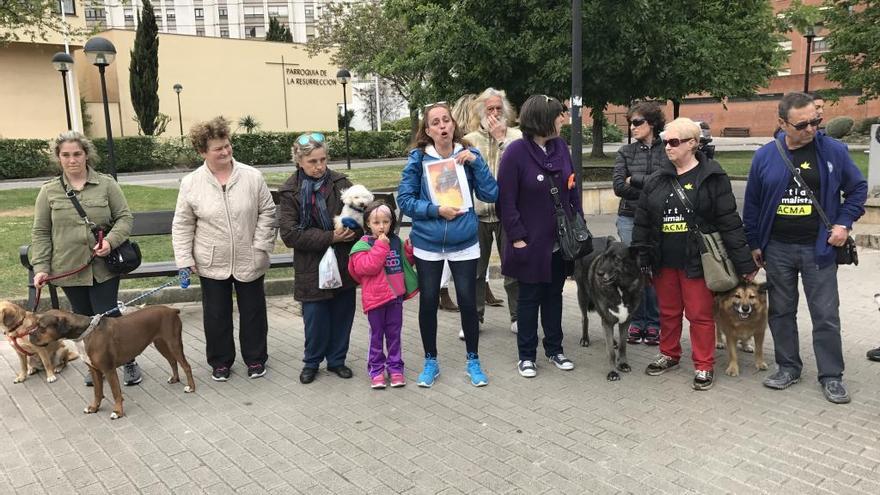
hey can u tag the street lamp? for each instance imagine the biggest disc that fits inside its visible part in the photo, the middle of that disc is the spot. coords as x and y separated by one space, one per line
343 76
63 62
101 53
177 89
809 34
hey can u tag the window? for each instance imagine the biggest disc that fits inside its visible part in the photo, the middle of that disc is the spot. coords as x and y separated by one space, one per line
127 13
277 11
170 14
95 14
224 33
818 69
253 11
222 13
820 44
310 37
784 72
69 7
310 12
200 31
200 13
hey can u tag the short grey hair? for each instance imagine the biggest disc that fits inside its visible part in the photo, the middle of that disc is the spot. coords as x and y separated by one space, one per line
300 150
76 137
479 107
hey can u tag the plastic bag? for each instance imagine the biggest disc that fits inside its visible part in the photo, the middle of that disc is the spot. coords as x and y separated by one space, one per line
328 271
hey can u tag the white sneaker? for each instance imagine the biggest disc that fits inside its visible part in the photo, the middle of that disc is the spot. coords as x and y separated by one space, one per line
461 334
562 362
513 327
527 368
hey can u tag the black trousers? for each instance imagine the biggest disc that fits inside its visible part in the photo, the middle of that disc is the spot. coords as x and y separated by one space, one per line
90 300
253 325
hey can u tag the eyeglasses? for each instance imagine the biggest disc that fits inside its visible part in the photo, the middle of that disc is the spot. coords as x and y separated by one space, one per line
637 122
675 142
304 139
429 105
803 125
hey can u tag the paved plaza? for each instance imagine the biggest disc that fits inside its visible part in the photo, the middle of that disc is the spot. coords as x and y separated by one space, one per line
562 432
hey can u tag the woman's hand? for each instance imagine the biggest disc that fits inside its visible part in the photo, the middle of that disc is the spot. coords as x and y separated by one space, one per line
40 279
102 249
193 270
519 244
450 213
342 235
465 157
748 277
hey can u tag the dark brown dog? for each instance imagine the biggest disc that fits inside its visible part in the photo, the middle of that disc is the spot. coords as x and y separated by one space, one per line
116 341
741 314
16 322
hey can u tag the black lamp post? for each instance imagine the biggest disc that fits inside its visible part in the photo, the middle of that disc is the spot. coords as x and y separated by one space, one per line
177 89
809 34
343 76
63 62
101 53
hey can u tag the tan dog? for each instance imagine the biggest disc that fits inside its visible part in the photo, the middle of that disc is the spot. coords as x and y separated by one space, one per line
741 314
16 322
116 341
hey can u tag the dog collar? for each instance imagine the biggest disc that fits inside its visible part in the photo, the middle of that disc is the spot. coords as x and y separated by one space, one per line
13 341
96 320
355 208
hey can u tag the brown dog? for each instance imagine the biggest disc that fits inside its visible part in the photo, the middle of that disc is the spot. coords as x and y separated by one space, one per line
740 314
116 341
16 322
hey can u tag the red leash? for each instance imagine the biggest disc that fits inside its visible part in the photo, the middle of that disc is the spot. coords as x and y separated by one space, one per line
13 338
68 273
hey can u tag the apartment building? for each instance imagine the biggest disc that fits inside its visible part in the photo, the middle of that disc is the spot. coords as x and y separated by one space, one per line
240 19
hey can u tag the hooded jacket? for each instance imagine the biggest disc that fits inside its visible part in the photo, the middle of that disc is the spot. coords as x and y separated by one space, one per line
769 176
715 212
636 161
527 209
430 231
366 264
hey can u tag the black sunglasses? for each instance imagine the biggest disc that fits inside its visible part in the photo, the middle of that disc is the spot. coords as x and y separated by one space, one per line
637 122
803 125
675 142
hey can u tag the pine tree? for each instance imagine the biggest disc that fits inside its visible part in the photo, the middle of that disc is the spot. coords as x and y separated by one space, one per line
144 71
278 31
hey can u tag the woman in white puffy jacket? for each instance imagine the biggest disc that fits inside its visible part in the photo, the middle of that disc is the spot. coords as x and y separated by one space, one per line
224 231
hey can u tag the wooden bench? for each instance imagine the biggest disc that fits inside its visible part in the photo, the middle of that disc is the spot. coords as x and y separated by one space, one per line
736 132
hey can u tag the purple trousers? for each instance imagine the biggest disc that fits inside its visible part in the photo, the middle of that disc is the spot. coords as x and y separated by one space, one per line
386 323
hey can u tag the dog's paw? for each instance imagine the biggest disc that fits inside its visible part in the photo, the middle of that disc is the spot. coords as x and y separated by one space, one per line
20 378
585 341
613 376
51 379
747 347
173 379
624 367
761 366
90 409
732 370
115 415
188 390
60 368
719 345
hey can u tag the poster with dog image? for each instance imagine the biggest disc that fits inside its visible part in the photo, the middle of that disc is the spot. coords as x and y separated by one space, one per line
447 184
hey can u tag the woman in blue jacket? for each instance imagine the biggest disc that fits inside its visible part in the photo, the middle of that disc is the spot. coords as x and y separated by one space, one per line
445 233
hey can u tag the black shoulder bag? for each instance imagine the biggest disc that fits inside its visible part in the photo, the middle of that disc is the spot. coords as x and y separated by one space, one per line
125 257
575 239
846 254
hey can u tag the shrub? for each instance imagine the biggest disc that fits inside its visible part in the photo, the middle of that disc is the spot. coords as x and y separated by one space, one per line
864 126
174 153
133 154
23 158
262 148
610 132
839 127
397 125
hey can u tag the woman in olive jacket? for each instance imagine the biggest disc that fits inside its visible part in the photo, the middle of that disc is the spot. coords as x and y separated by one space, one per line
669 250
309 200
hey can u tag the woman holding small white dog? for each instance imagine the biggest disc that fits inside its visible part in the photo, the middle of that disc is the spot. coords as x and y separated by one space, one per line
308 202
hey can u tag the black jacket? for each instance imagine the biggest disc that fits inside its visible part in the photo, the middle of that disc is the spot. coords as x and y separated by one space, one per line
716 211
637 161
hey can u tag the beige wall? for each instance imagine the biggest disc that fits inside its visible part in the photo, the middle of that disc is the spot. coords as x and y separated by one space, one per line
220 76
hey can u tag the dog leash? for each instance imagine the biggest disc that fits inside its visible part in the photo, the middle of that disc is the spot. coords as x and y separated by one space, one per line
68 273
13 338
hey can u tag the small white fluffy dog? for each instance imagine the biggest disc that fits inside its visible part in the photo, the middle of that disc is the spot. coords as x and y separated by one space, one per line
354 200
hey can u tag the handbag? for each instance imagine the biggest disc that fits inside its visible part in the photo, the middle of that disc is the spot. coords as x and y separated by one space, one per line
718 270
575 239
846 254
125 257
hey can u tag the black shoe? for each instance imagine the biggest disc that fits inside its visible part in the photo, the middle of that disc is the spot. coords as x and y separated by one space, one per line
341 371
220 374
835 391
256 370
781 380
874 354
307 375
704 379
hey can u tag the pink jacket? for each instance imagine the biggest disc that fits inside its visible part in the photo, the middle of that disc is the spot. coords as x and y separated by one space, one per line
368 269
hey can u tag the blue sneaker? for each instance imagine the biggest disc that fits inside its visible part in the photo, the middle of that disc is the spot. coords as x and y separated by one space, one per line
429 373
478 378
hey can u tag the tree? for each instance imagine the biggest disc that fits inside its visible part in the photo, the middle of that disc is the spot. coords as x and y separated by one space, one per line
388 102
278 31
249 123
853 59
343 122
144 71
30 20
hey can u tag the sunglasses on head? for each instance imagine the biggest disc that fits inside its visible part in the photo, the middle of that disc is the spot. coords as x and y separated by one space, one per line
803 125
675 142
429 105
637 122
304 139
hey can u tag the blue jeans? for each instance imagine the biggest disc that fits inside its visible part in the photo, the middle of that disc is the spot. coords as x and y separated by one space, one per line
328 328
783 264
464 275
648 314
546 298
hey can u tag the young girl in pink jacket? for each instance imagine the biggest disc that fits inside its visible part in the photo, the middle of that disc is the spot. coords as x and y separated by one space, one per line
382 264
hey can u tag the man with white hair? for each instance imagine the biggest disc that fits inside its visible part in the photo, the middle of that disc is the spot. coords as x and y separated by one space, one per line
491 117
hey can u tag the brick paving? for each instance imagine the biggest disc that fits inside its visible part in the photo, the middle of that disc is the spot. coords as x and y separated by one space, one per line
562 432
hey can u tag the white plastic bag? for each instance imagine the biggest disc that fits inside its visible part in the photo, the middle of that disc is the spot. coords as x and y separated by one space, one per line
328 271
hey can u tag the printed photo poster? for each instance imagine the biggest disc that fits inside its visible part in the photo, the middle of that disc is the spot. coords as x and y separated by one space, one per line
447 184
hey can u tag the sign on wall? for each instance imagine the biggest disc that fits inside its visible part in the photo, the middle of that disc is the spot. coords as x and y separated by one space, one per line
297 76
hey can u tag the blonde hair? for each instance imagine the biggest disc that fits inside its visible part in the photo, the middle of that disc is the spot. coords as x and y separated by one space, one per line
202 132
462 112
686 129
478 108
80 139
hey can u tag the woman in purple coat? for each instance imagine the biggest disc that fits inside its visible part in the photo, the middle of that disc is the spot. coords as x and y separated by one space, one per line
528 169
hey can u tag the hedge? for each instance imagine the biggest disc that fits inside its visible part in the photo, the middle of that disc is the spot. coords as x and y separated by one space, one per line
22 158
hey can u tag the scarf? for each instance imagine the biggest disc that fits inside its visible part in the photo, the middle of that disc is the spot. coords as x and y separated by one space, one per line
313 202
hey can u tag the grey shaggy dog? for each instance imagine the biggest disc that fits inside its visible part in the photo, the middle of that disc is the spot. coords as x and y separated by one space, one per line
609 283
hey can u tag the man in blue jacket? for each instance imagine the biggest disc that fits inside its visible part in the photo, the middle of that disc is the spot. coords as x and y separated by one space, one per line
788 238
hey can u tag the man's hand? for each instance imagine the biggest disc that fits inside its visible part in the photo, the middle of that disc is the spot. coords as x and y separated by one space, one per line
450 213
342 235
758 257
497 127
838 236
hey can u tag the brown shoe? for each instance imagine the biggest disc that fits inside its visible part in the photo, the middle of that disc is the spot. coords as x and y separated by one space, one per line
446 303
491 300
